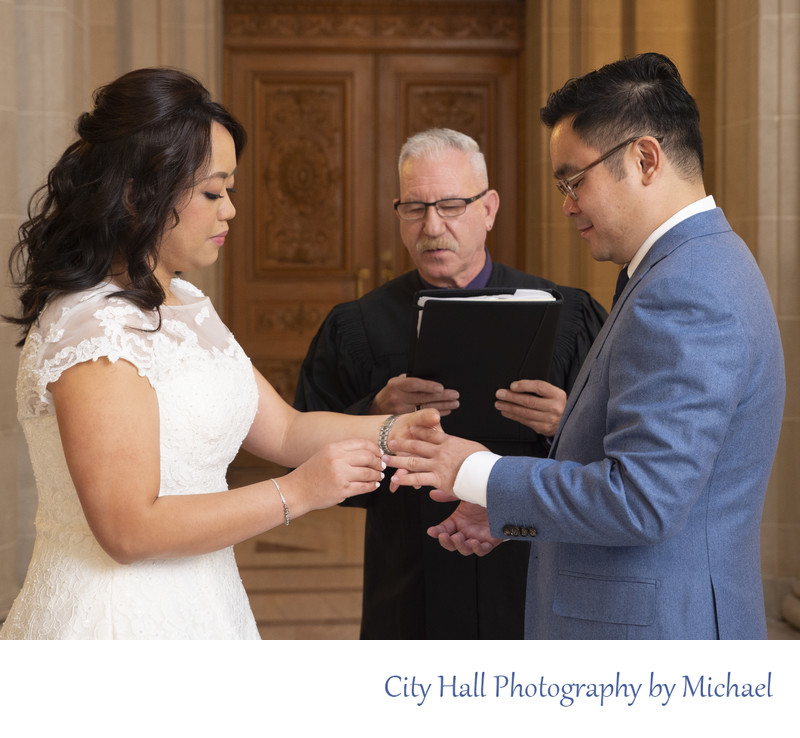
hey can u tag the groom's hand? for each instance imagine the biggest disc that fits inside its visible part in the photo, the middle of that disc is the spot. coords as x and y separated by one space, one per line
466 531
427 457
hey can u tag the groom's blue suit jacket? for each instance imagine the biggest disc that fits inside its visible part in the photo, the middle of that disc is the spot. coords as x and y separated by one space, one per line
645 519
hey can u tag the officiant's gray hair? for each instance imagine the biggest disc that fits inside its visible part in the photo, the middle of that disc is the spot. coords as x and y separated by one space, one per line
438 141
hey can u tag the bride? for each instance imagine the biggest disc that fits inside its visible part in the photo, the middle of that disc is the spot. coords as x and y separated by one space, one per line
134 397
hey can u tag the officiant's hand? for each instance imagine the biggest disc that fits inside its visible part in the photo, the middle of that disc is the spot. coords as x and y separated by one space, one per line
534 403
403 394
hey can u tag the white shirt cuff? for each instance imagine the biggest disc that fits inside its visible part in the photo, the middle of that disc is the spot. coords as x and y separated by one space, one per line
473 477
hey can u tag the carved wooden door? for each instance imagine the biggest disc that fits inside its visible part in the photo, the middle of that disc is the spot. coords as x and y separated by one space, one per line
328 93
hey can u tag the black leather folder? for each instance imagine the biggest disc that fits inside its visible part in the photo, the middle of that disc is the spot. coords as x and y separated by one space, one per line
477 346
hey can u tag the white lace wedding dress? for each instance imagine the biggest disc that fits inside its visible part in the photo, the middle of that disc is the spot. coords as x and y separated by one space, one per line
207 400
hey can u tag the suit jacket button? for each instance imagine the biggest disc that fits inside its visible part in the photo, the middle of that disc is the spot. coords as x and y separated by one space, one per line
532 532
510 530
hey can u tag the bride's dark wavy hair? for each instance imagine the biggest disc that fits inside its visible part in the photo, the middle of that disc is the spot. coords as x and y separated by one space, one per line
115 191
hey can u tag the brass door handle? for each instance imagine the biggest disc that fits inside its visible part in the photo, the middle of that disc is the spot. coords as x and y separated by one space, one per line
387 264
362 276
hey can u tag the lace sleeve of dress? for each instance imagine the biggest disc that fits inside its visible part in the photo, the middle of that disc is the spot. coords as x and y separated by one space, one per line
77 328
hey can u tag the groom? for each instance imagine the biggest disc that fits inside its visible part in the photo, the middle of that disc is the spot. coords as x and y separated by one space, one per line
644 521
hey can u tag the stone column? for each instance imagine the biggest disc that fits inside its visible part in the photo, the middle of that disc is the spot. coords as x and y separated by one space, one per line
8 354
760 153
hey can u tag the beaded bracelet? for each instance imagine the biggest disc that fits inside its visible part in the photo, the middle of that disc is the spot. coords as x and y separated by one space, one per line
286 515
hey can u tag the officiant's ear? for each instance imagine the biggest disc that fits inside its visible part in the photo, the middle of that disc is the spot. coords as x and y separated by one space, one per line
491 204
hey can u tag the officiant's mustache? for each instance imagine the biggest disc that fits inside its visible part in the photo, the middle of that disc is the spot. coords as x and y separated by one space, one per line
436 244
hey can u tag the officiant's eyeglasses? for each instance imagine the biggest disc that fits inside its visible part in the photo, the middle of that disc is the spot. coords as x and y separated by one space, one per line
565 185
449 208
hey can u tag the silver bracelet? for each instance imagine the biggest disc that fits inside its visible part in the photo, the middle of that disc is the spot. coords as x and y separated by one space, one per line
383 434
286 515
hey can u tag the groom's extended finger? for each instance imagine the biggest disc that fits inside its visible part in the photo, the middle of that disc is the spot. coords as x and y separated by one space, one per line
402 478
407 448
414 463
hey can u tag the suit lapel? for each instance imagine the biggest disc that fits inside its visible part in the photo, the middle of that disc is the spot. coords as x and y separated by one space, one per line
696 225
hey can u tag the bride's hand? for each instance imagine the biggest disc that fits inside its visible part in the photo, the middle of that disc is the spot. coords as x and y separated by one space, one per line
336 472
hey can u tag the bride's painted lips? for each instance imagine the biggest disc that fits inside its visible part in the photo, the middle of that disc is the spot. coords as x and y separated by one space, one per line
219 239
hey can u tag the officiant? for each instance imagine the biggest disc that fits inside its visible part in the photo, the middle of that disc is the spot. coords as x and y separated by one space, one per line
357 363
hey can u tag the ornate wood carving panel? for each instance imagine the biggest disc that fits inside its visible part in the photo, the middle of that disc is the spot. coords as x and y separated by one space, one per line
464 109
301 160
425 24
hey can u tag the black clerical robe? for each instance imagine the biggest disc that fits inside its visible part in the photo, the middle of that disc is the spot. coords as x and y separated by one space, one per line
413 588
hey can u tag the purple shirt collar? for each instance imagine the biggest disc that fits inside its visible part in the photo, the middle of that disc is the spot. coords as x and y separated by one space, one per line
480 281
